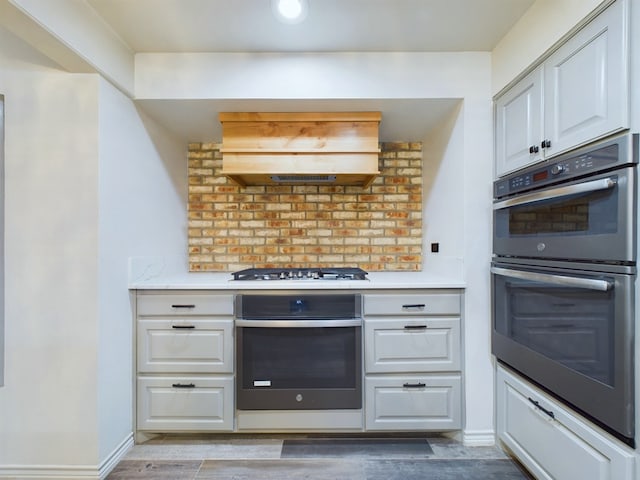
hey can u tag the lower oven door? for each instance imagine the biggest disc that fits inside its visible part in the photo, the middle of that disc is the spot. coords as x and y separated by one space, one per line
299 365
571 332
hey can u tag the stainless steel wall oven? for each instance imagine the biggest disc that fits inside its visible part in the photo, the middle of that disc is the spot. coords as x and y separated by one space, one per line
563 279
298 351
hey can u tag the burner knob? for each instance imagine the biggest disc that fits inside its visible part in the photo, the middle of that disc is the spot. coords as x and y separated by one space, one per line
316 275
299 273
283 275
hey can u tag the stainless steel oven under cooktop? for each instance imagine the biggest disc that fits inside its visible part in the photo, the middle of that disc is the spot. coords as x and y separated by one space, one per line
339 273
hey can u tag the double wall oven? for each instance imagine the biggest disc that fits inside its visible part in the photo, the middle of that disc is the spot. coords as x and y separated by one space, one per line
563 279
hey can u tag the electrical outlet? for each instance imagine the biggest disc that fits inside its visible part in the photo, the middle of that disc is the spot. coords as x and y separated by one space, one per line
435 247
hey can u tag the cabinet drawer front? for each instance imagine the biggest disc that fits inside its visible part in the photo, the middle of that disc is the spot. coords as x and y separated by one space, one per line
536 438
184 304
185 403
412 304
413 402
189 345
412 345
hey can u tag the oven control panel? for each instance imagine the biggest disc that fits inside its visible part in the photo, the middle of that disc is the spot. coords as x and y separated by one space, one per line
587 160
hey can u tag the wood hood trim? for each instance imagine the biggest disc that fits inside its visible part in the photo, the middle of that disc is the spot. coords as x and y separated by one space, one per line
338 148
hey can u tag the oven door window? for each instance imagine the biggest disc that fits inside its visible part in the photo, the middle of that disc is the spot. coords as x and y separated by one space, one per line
300 358
591 213
572 326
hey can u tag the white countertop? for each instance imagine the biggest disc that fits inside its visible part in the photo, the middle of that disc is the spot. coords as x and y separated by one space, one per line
155 273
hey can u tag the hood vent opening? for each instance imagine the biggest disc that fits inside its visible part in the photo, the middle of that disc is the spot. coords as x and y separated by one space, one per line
340 148
303 178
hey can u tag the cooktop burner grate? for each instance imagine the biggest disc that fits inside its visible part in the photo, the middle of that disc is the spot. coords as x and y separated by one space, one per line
340 273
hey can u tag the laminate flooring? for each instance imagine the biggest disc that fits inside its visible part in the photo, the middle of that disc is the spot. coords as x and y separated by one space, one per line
240 457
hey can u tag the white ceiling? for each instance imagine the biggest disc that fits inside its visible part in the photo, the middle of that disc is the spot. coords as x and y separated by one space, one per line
330 26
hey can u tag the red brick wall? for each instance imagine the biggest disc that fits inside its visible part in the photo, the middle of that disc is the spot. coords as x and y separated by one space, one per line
377 229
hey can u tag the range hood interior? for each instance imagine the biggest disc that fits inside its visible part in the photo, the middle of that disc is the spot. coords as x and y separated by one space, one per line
303 148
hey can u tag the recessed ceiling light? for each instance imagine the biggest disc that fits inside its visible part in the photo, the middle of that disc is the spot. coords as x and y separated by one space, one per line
290 11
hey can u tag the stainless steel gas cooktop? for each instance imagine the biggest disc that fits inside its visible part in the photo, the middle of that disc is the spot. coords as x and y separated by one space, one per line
300 274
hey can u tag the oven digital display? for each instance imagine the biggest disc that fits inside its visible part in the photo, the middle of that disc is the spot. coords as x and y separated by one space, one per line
539 176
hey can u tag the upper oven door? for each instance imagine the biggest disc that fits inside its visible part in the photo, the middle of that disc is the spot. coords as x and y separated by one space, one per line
591 219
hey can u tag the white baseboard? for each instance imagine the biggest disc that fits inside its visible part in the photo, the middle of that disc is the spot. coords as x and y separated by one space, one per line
479 438
68 472
118 454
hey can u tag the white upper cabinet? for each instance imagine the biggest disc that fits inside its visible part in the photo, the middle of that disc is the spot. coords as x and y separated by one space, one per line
577 94
587 84
519 124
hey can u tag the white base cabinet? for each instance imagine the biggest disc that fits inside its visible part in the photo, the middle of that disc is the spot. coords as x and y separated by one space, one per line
184 361
413 402
183 403
553 442
412 361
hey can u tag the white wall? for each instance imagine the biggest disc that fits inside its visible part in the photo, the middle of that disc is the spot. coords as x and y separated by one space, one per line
457 189
47 406
142 211
89 182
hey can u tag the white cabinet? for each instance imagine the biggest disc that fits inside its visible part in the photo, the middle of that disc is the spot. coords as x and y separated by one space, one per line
184 345
184 362
519 127
412 345
577 94
553 442
412 361
185 403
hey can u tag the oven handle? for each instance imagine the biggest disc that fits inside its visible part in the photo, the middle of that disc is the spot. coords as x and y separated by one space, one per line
592 186
588 283
351 322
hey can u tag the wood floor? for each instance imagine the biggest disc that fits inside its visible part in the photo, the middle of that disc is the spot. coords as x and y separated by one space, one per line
186 457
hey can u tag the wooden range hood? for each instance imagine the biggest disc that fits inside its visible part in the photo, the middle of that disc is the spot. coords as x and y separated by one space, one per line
302 148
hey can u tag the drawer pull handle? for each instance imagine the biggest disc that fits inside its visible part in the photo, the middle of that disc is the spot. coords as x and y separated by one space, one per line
541 408
188 305
184 385
415 327
414 385
417 306
183 327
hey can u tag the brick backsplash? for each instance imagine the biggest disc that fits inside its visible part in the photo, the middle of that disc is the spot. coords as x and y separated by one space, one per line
378 228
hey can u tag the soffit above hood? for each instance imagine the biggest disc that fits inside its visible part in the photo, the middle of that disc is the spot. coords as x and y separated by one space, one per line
303 148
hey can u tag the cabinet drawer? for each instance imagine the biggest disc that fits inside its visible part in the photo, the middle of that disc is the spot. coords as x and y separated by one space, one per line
184 304
185 345
177 403
412 345
413 402
412 304
536 438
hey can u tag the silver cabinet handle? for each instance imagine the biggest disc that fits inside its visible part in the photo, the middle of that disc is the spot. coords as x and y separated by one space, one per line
592 186
588 283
